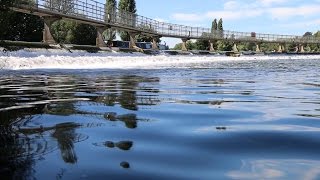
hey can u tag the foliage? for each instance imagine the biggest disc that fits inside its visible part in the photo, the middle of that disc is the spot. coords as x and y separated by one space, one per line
128 5
63 6
220 25
62 31
67 31
201 44
5 4
18 26
127 9
190 46
214 26
84 34
109 34
111 9
307 34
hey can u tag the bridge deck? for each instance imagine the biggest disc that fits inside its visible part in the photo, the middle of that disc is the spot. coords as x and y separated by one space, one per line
95 13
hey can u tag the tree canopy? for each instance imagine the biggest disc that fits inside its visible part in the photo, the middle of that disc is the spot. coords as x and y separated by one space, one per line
124 7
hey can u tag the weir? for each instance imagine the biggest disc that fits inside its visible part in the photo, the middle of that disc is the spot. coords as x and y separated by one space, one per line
94 13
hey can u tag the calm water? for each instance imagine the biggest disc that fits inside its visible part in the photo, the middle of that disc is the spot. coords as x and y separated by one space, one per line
220 120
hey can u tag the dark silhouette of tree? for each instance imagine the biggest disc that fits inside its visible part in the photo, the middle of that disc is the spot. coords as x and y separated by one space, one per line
19 26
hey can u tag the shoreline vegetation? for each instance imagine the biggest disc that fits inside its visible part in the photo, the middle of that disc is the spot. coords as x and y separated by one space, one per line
10 46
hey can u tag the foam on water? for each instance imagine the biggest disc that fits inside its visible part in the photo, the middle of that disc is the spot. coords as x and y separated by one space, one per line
57 59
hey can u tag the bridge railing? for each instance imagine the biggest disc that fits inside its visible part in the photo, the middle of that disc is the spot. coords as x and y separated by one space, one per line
94 10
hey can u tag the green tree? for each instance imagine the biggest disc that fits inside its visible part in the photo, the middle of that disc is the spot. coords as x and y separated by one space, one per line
63 30
19 26
110 16
214 26
202 44
84 34
177 46
63 6
220 25
111 10
127 10
146 38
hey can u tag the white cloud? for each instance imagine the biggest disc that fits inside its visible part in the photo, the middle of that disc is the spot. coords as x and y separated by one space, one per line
289 12
309 23
271 2
160 20
234 15
234 10
231 5
187 17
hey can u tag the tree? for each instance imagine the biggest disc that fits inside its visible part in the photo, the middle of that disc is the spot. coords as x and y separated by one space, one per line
220 25
146 38
5 5
19 26
63 6
307 34
110 16
202 44
214 26
84 34
127 10
220 28
109 34
62 31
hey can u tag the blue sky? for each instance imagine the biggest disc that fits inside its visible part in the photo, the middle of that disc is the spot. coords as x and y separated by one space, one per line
292 17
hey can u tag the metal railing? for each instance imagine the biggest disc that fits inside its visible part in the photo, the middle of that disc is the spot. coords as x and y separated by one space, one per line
96 11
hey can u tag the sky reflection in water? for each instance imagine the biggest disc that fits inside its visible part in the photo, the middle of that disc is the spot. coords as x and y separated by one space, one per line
244 120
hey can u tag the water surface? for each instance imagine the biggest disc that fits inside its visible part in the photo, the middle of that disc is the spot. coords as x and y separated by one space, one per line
215 120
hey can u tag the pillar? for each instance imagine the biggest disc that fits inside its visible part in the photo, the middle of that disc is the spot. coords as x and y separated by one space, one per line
184 45
211 48
296 49
258 47
234 48
132 43
301 48
47 36
280 49
99 40
154 44
283 47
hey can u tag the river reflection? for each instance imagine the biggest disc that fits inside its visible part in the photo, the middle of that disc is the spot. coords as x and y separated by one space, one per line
244 120
28 102
278 169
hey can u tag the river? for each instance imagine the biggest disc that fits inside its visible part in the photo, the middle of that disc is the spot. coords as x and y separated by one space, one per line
159 117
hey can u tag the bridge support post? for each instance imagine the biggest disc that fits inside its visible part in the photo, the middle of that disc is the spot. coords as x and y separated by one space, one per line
235 48
211 48
154 44
296 49
184 44
132 44
301 48
283 47
99 40
258 47
47 36
280 49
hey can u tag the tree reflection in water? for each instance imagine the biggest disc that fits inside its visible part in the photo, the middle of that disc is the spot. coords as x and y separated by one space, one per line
123 145
23 141
130 120
66 136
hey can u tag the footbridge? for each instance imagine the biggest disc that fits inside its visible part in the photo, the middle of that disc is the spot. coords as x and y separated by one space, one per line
97 14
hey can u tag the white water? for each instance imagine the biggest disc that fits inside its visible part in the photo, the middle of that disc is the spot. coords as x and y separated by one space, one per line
57 59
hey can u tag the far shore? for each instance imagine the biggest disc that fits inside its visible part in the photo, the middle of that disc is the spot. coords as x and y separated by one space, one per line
9 46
